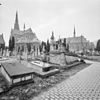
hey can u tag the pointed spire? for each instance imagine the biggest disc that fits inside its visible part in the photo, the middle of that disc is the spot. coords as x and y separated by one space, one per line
52 37
16 25
24 27
74 31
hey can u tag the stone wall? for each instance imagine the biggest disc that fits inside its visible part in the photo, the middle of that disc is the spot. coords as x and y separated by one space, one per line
62 59
58 59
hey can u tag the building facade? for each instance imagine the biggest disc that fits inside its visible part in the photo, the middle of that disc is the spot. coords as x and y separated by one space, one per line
25 40
78 43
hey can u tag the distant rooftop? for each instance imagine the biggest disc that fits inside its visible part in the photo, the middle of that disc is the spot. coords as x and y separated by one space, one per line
76 39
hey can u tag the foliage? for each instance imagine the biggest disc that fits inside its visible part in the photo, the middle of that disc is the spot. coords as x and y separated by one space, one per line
98 45
64 43
40 48
29 47
48 46
11 43
67 47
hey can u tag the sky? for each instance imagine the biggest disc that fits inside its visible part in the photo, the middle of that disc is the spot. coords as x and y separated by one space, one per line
45 16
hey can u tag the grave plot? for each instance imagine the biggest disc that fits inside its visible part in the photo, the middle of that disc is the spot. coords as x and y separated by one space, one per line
16 73
43 69
63 60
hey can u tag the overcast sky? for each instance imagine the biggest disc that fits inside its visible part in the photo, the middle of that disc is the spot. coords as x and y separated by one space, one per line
45 16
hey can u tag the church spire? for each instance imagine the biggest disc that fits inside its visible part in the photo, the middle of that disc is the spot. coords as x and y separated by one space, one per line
24 27
16 25
52 37
74 32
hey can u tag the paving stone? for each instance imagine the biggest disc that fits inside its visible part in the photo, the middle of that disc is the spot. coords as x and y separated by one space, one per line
85 85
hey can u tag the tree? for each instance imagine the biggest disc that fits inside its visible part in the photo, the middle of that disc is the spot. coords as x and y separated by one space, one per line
29 47
11 44
48 46
40 48
67 47
45 46
60 41
64 43
98 46
56 46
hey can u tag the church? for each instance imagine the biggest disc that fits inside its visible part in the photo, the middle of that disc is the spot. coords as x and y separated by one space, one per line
25 40
78 43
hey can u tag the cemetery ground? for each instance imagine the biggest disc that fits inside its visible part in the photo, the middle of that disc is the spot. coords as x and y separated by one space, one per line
31 90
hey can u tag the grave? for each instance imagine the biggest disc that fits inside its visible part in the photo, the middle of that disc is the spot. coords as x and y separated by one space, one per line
16 73
42 69
43 66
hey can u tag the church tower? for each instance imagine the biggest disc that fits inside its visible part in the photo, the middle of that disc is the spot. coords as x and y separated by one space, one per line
74 32
52 37
52 42
16 25
24 27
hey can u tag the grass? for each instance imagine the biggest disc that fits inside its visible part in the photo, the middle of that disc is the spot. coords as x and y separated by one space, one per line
29 91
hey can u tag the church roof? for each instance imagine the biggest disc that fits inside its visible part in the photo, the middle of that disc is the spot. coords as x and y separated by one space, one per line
76 39
26 36
28 40
18 32
2 39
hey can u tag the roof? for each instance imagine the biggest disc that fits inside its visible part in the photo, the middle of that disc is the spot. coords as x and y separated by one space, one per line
25 36
28 40
2 39
16 69
76 39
